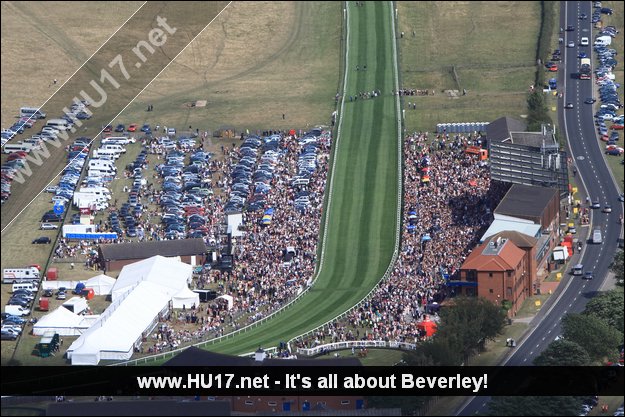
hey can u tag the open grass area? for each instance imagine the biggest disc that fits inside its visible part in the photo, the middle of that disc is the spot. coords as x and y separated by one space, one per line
487 48
256 62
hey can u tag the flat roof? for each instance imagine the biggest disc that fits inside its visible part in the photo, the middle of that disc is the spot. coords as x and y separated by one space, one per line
143 250
526 200
501 226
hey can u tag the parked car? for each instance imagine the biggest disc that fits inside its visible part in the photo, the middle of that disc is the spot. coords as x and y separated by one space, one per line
48 226
132 127
42 240
120 128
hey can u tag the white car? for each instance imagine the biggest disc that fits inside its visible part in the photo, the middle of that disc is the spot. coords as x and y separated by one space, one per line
171 132
48 226
51 189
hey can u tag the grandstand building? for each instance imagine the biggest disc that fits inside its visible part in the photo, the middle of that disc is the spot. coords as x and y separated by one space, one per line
527 158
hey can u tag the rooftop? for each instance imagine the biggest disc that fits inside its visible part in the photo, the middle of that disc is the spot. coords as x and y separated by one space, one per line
142 250
526 200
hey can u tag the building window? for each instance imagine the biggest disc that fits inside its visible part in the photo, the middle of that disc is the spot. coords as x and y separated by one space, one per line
272 403
471 275
490 274
344 402
249 402
509 292
490 290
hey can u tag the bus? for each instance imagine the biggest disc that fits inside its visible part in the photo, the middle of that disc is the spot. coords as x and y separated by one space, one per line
32 112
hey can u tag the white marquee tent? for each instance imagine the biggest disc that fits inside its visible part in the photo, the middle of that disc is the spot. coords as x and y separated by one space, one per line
63 322
143 290
101 284
113 336
171 274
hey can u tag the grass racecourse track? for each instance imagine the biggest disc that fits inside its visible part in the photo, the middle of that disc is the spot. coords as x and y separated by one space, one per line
362 216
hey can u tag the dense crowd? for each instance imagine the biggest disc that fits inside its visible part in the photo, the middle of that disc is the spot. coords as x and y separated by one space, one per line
448 201
261 280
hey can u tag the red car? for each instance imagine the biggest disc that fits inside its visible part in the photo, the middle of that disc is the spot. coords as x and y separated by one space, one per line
17 155
132 127
108 129
617 127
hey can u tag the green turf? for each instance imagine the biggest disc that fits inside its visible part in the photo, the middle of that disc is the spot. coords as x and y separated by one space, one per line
362 219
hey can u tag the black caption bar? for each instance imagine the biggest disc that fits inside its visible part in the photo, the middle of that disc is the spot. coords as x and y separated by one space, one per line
293 380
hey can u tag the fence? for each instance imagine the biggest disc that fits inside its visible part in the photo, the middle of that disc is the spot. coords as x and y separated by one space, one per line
380 344
462 127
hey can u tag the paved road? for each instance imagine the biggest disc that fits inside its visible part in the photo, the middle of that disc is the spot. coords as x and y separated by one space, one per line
588 156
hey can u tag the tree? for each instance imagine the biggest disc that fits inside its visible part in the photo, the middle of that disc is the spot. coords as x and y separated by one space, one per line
596 337
617 268
434 352
563 353
608 307
535 406
469 323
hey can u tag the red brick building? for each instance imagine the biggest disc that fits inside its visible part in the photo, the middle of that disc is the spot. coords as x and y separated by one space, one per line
501 270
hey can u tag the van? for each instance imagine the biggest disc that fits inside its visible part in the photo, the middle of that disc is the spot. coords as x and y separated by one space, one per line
17 147
113 147
16 310
578 270
102 192
26 285
100 172
59 124
123 140
102 163
12 275
105 152
32 112
596 236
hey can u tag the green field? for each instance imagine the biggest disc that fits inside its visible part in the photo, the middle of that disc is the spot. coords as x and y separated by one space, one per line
487 48
362 216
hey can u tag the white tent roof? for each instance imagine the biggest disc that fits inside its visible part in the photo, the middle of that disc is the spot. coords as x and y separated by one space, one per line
169 273
101 284
185 298
229 299
120 326
58 320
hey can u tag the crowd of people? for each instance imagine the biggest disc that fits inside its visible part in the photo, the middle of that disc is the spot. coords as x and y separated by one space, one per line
261 281
448 201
